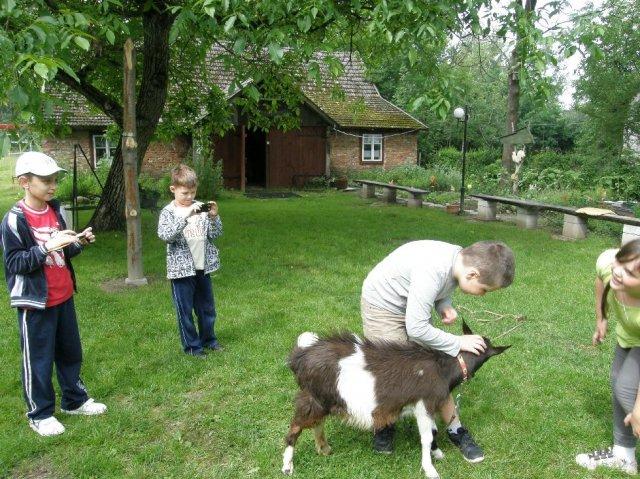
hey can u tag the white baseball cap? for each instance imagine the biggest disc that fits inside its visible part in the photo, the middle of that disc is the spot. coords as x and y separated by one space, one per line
37 164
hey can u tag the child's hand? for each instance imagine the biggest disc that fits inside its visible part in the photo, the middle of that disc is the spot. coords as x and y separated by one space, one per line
186 212
86 236
633 420
59 241
600 332
448 315
472 343
213 211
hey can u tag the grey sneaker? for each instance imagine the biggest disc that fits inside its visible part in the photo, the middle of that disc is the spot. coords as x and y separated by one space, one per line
468 447
606 458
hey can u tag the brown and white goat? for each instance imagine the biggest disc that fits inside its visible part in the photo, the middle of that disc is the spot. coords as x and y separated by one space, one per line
370 383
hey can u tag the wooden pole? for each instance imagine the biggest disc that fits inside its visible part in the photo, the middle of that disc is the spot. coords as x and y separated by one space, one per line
130 167
243 169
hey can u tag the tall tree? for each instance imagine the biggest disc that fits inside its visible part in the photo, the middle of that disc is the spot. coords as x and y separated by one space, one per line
524 14
606 92
530 57
78 44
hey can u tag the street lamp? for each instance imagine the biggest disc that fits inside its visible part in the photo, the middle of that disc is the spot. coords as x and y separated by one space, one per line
462 114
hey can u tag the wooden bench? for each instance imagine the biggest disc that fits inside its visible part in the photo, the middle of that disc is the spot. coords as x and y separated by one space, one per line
575 222
389 192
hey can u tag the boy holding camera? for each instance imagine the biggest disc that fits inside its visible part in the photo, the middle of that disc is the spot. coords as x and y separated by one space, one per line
37 262
188 227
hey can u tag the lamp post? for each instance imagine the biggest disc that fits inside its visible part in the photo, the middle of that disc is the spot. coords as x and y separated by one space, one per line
462 114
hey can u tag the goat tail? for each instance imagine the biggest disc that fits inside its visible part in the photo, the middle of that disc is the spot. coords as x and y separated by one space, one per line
307 339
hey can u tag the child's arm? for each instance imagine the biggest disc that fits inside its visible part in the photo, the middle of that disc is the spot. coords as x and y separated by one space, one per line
418 321
601 322
603 272
22 260
215 227
447 312
170 226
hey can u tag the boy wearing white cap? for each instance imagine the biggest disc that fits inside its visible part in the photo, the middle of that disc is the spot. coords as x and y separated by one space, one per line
37 249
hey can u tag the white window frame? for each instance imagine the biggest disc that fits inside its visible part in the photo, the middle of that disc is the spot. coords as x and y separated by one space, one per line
369 141
107 146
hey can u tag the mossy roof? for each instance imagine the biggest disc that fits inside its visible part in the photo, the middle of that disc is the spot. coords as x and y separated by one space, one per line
349 101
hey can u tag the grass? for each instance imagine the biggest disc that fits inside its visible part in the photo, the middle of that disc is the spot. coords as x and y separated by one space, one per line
291 265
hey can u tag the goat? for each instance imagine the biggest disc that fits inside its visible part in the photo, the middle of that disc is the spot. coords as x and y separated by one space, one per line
370 383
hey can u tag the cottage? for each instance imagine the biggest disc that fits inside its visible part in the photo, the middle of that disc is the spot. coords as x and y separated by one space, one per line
358 131
86 127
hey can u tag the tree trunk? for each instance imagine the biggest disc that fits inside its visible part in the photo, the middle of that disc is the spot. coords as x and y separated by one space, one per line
513 97
109 215
513 107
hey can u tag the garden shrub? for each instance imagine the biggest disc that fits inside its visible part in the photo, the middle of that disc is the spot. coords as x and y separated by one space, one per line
439 177
210 181
479 159
86 185
550 178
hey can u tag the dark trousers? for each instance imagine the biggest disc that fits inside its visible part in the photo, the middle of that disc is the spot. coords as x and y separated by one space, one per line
50 336
194 293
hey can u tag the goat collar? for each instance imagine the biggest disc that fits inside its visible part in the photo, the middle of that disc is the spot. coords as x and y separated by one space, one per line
463 367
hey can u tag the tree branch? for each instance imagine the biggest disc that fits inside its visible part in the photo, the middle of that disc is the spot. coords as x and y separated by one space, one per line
103 102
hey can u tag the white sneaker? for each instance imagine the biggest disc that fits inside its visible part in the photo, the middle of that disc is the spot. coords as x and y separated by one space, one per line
46 427
89 408
606 458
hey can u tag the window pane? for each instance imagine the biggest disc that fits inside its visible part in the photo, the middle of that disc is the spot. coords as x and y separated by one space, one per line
99 141
366 152
377 148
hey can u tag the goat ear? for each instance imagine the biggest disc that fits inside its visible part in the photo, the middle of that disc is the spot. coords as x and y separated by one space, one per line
495 350
465 328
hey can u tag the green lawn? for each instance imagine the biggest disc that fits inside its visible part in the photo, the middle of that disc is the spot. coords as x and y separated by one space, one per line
291 265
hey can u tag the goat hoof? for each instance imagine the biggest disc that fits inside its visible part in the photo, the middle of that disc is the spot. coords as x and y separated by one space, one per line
431 473
324 450
437 454
287 469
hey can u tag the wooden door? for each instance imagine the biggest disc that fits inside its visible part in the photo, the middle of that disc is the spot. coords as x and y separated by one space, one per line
295 155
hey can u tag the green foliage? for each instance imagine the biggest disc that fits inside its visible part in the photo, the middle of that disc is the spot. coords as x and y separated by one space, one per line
86 185
611 80
487 179
210 181
435 178
550 178
548 172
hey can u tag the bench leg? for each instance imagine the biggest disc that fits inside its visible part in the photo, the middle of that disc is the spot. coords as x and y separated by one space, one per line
574 227
415 201
527 218
388 195
487 210
368 191
629 233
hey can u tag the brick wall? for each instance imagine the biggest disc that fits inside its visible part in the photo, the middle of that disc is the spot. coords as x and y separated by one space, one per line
159 158
61 148
345 151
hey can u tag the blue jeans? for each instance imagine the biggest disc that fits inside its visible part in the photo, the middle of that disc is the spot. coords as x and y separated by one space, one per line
194 293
